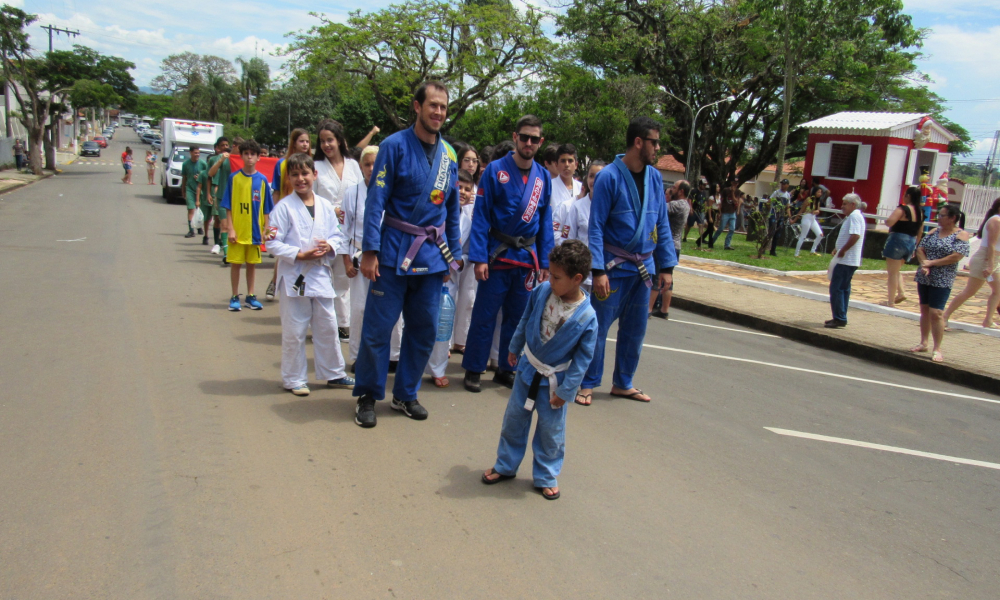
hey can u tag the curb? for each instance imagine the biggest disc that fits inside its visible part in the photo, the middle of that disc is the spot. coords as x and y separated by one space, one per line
902 360
22 184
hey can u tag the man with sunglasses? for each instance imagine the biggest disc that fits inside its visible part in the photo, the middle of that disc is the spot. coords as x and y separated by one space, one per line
631 243
509 244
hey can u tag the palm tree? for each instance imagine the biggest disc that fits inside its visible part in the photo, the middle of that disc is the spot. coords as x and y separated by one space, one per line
254 80
220 96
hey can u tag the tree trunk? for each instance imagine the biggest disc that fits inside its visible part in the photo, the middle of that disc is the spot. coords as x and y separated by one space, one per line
789 93
35 134
50 151
6 106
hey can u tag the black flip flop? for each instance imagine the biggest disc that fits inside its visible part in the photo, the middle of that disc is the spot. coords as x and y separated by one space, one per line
633 396
498 479
579 395
554 496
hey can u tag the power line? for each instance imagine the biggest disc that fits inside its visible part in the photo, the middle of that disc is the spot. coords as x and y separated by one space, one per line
57 31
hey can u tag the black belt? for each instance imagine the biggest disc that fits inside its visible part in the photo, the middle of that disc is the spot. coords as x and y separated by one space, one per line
509 241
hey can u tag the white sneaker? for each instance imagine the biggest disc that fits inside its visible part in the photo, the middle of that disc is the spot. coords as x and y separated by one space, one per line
302 390
269 294
216 249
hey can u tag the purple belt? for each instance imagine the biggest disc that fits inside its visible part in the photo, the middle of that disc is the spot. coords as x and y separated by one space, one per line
638 260
433 233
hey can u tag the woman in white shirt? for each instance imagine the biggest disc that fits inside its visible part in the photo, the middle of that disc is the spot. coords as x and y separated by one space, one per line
336 171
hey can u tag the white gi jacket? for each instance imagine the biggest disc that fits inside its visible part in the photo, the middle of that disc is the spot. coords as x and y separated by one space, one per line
297 231
332 187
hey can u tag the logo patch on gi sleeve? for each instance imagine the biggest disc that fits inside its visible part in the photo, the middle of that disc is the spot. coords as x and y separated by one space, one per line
437 196
503 177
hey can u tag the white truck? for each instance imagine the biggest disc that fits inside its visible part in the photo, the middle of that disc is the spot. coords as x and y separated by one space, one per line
179 136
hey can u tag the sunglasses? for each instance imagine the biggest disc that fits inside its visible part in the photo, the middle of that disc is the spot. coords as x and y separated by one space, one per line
525 138
654 141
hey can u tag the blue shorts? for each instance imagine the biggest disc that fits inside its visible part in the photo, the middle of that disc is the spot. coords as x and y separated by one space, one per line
899 246
934 297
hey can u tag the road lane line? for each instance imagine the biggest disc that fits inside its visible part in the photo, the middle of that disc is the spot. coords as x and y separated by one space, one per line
726 328
823 373
847 442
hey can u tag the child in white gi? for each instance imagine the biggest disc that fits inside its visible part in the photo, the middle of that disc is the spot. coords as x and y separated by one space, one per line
306 231
557 332
461 285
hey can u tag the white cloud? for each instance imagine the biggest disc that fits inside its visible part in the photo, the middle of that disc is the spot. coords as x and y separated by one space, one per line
954 7
975 51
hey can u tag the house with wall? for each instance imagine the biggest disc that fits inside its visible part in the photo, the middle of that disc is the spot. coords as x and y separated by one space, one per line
875 154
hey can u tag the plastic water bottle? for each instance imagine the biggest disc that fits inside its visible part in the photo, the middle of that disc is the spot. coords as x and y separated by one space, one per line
447 319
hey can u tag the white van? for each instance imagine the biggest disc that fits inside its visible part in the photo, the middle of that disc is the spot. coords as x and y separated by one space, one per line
179 136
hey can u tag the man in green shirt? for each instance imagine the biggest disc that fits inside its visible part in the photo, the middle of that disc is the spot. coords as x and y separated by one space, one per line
190 170
205 201
219 171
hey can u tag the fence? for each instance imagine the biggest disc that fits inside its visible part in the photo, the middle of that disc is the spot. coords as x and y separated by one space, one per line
976 202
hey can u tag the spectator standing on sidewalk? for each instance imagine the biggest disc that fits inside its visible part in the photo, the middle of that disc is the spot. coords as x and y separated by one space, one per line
847 253
939 253
781 200
984 267
18 154
696 215
905 230
150 165
711 217
677 214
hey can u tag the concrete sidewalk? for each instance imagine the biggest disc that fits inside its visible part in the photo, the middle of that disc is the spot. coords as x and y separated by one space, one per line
971 359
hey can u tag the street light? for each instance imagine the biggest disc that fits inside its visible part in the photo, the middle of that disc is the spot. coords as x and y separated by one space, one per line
694 118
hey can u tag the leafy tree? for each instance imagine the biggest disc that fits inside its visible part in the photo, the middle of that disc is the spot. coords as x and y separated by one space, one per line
704 52
253 81
177 71
295 105
218 96
479 49
158 106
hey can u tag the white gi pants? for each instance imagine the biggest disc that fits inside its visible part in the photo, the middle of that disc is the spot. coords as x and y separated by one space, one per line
342 287
359 297
464 299
298 314
809 223
438 362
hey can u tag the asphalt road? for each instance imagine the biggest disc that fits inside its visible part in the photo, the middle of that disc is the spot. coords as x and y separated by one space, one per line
148 451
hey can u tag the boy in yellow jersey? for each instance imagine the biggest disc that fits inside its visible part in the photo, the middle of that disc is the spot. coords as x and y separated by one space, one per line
248 201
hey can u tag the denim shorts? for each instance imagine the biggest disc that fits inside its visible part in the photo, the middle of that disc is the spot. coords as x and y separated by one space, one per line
899 246
696 217
934 297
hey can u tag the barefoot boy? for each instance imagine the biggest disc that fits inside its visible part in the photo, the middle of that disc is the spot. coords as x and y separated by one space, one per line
248 201
557 332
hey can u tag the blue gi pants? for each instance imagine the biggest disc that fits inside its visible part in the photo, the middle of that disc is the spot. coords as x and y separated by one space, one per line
629 304
503 289
549 443
418 298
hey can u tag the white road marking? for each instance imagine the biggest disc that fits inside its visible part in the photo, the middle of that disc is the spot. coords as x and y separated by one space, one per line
76 240
847 442
726 328
823 373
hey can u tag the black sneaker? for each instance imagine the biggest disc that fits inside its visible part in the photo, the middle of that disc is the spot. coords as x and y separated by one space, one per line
505 378
410 409
659 314
344 334
204 240
392 365
201 231
225 262
364 412
353 364
472 382
834 324
189 234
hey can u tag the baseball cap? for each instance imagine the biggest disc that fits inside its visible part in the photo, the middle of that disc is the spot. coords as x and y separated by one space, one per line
785 181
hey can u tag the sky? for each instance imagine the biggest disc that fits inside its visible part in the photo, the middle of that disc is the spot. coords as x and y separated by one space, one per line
962 47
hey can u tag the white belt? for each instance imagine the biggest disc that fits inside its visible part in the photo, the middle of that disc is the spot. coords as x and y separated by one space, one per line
545 370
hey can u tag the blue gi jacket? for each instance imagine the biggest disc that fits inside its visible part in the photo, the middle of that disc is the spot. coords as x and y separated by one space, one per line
501 190
575 341
613 220
397 187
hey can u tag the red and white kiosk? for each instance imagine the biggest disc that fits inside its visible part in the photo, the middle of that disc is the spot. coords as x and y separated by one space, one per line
876 154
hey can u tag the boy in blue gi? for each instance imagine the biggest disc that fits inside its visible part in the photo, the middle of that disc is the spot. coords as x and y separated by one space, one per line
509 243
631 243
406 254
558 333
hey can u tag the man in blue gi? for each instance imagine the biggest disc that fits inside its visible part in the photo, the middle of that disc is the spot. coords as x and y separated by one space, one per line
406 254
509 243
631 243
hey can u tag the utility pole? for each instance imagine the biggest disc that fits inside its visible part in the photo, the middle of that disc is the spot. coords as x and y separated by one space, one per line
991 161
51 29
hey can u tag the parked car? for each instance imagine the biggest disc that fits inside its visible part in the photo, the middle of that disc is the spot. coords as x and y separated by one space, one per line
157 144
109 134
147 137
90 149
101 141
